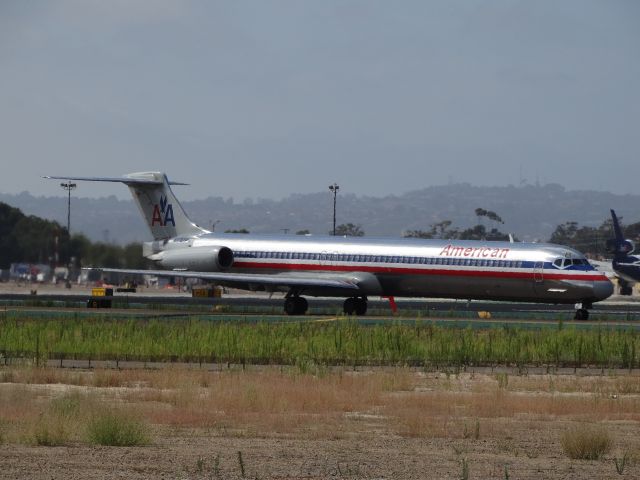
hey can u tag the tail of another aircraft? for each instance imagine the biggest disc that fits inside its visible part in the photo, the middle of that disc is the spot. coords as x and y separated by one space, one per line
618 245
160 208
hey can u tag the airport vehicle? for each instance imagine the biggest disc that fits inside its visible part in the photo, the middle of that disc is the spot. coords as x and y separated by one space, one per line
625 265
356 268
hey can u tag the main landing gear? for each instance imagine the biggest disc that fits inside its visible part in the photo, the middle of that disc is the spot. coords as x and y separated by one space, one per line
355 305
582 313
295 305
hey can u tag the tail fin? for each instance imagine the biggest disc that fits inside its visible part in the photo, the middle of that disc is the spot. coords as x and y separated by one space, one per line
160 208
618 245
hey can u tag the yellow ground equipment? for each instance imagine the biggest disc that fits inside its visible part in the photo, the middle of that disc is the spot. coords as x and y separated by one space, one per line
100 298
206 292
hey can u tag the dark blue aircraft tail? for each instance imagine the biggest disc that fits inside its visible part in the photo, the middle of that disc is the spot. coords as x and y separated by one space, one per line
619 246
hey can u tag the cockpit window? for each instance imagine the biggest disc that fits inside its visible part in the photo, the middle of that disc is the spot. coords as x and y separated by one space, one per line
558 263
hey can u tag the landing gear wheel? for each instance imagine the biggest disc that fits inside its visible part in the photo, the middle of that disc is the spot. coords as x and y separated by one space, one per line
295 305
303 305
349 306
361 306
582 314
355 305
626 290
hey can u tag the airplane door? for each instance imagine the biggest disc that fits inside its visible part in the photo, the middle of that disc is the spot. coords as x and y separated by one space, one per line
328 258
538 273
325 258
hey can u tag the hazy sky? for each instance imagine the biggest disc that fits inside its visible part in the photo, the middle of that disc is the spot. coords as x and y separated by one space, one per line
267 98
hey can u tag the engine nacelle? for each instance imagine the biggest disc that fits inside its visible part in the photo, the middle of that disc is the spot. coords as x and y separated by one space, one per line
201 259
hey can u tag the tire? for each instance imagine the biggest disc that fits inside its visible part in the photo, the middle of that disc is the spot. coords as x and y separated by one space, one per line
290 305
582 314
350 305
303 305
361 306
296 306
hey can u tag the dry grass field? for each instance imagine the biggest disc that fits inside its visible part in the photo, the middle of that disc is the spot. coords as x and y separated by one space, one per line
278 423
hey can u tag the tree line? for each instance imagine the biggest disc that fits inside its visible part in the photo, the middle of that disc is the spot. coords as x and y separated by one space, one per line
31 239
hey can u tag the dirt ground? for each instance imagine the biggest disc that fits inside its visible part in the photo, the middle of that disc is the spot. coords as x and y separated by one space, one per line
429 425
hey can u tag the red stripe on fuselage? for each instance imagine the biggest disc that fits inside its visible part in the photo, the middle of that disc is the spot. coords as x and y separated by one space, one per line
526 274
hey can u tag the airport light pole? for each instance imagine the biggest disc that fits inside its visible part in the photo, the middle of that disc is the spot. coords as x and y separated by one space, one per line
68 187
334 189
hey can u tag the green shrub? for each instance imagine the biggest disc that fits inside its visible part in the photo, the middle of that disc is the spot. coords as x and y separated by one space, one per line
586 442
116 429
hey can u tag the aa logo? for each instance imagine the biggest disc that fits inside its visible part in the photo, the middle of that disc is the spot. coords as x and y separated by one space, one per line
162 213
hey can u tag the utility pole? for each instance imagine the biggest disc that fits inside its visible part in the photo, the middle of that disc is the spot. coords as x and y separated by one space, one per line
334 189
68 187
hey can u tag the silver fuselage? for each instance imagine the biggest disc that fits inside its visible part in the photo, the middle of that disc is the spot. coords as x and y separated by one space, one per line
417 268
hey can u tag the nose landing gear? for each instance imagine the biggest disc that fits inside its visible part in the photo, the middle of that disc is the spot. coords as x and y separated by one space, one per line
582 312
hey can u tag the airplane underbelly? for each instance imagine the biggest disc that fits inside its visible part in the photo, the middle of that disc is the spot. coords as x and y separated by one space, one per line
485 288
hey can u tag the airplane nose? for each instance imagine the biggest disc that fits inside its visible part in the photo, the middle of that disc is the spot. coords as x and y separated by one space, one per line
602 289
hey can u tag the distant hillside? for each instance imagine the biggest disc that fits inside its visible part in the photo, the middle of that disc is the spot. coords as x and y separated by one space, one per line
529 212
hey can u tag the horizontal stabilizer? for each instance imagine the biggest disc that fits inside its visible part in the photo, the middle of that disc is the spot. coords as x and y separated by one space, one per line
158 205
133 180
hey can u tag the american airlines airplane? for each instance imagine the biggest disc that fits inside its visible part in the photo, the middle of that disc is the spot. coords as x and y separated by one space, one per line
356 268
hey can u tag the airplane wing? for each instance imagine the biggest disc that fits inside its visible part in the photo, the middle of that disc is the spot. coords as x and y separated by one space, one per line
255 280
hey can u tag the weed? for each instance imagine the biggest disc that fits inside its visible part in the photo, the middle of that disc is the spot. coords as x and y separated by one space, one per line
503 380
241 463
56 425
621 463
586 442
50 431
465 470
200 465
458 449
506 473
216 466
115 429
467 433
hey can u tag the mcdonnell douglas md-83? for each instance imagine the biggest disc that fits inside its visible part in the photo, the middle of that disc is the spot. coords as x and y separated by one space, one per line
356 268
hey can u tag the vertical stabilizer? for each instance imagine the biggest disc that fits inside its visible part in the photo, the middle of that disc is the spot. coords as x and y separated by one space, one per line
160 208
619 245
158 205
616 227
